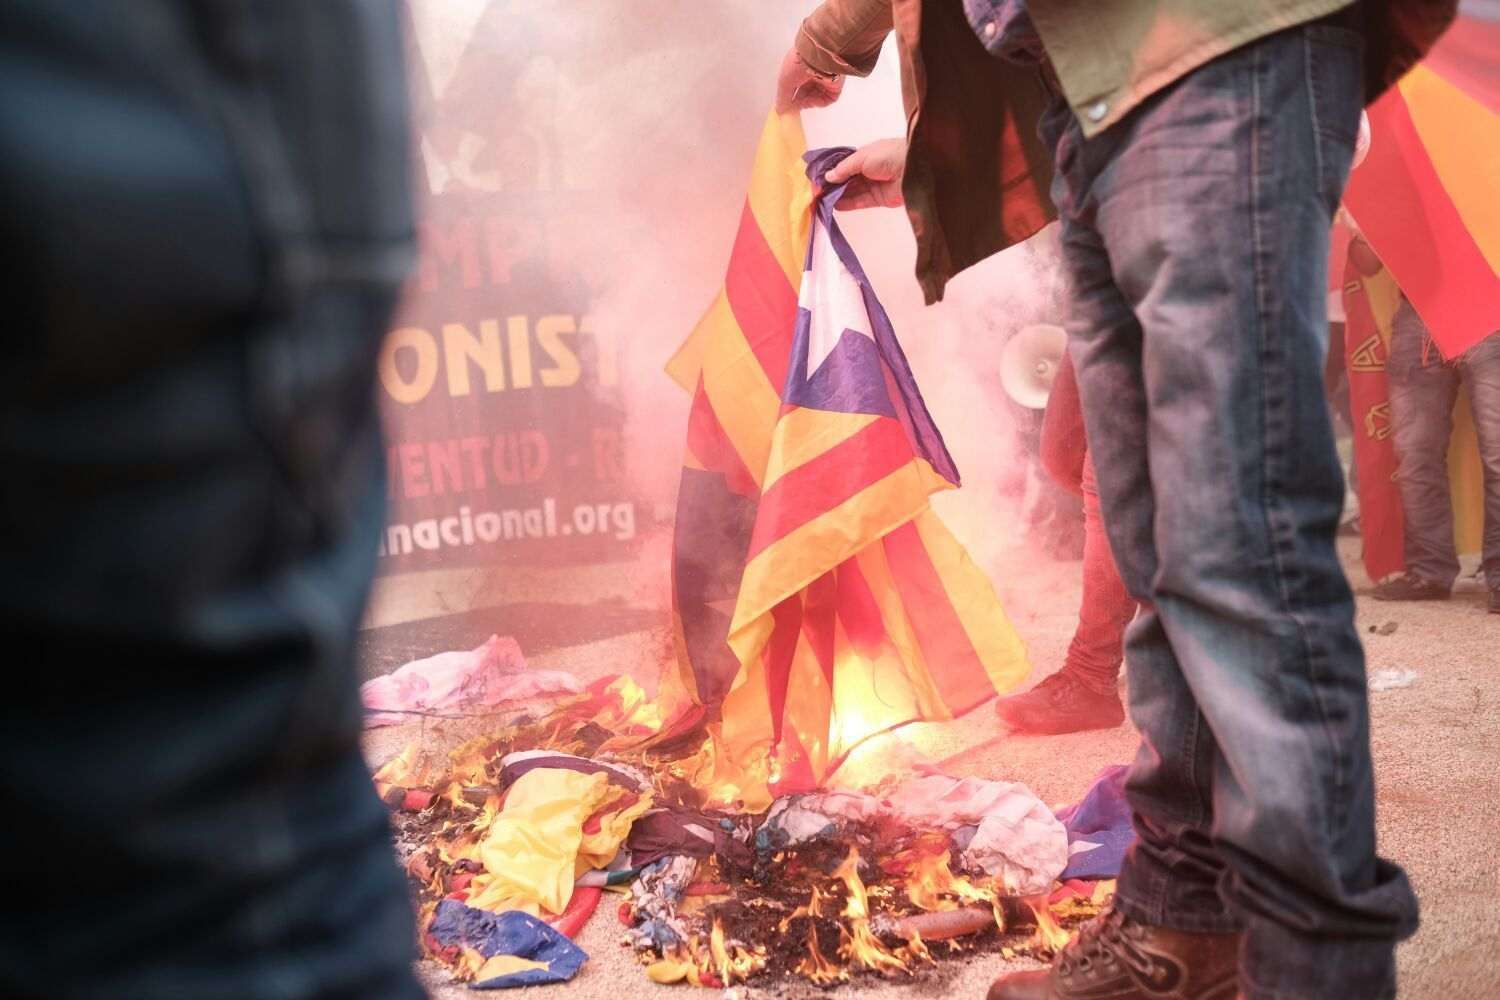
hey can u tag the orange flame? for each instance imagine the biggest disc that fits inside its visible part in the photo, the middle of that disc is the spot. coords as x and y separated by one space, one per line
931 885
858 944
817 968
814 908
730 962
915 951
1049 937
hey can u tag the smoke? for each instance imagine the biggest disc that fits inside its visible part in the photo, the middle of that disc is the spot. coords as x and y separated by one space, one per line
654 110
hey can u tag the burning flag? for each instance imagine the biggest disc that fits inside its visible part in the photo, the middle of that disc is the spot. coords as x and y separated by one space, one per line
818 599
1425 196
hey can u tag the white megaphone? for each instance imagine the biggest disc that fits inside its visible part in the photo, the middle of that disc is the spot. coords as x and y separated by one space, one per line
1029 363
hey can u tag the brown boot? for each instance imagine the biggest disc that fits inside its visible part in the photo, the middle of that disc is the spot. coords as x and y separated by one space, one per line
1113 958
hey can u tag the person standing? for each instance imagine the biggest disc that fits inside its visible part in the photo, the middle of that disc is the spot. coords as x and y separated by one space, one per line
1199 151
208 217
1423 390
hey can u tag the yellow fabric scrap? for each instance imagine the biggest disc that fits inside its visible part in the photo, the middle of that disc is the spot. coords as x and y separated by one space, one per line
673 970
536 848
505 965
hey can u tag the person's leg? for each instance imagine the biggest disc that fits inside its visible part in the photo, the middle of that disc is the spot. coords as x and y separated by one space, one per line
1084 694
1213 202
1422 393
1175 871
1481 372
1097 649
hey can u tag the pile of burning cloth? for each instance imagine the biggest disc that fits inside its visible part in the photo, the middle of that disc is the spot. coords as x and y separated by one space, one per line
512 839
818 601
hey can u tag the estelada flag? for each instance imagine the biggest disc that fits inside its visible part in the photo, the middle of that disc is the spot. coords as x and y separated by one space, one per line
1427 196
818 599
1370 306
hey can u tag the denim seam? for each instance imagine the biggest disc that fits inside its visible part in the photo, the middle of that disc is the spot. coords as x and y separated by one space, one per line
1269 472
1312 109
1340 777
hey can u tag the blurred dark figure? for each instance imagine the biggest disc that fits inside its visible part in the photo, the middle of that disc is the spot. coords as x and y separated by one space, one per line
206 218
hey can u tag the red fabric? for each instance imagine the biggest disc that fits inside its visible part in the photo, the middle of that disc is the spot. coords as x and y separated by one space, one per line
1380 520
713 449
1098 645
762 298
839 474
1063 442
582 906
1409 220
1095 653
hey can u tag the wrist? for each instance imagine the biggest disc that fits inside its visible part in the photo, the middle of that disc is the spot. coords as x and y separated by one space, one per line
815 58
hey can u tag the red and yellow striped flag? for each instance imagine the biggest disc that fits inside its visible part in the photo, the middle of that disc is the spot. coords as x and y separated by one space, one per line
1427 197
818 599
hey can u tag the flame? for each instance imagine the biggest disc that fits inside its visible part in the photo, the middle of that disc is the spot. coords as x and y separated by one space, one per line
1049 937
931 885
915 950
730 962
858 905
857 943
817 968
469 762
814 908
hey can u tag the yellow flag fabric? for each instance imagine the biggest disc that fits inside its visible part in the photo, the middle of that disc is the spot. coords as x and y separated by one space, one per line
537 846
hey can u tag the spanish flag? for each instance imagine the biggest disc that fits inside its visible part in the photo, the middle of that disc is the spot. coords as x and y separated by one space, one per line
1427 197
818 599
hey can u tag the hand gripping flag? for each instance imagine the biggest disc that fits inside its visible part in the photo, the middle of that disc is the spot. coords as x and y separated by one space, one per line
818 599
1370 306
1426 195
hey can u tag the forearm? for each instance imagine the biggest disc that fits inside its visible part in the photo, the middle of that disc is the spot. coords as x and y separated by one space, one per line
843 37
1364 259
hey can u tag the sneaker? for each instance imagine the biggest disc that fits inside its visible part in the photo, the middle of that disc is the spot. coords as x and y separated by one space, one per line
1060 704
1410 587
1114 958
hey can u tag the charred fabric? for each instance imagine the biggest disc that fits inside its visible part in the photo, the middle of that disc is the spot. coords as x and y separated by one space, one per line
512 840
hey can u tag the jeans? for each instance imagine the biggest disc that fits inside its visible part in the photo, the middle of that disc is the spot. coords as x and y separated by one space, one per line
1423 391
1195 237
208 216
1096 650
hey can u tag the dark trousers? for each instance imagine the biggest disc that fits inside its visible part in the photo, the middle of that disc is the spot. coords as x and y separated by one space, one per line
207 221
1195 235
1423 391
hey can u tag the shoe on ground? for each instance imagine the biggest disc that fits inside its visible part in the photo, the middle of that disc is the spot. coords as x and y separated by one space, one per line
1113 958
1410 587
1060 704
1495 601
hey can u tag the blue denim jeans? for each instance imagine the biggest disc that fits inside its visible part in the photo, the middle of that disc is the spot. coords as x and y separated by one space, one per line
1423 390
208 216
1195 236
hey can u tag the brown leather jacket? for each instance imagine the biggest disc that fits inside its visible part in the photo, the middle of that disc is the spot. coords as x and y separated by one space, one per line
977 176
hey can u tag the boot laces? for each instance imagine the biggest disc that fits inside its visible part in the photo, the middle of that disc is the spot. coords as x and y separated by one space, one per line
1107 938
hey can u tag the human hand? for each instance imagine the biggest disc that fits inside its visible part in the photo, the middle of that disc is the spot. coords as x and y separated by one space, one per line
874 173
800 86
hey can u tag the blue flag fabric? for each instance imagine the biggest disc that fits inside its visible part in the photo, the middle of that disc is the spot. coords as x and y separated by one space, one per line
508 933
1102 818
